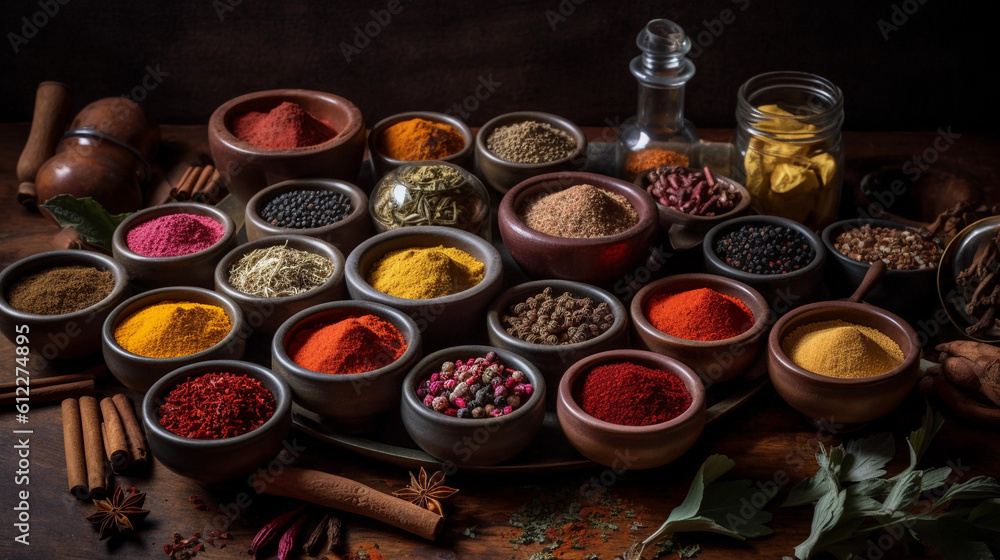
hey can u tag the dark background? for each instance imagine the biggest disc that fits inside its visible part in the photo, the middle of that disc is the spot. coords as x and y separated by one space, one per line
935 70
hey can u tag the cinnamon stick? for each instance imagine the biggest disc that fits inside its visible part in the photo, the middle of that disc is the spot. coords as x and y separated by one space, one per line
52 393
351 496
199 177
93 446
39 382
76 463
183 181
136 439
114 436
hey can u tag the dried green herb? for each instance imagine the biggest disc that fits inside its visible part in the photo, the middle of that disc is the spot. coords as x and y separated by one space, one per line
279 271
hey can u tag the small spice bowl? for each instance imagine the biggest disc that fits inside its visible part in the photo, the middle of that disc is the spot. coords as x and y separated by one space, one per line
69 335
601 261
216 462
265 315
472 442
502 175
348 400
644 447
248 169
345 234
782 292
553 360
716 360
139 373
383 164
439 319
194 269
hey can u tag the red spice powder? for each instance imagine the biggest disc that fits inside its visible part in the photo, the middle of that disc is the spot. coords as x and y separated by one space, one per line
286 126
632 395
352 345
701 314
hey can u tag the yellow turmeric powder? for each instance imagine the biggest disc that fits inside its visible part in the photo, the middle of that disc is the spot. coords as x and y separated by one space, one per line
420 139
425 272
173 329
841 349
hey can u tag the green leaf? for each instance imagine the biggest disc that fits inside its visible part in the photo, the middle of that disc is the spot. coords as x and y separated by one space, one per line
904 494
809 490
921 438
826 517
866 458
934 478
954 538
86 216
713 467
859 502
980 487
738 506
987 515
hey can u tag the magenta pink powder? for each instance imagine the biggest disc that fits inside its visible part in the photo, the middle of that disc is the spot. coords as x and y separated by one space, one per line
174 235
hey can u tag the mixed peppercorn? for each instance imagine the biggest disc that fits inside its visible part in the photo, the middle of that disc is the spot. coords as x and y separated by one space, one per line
476 388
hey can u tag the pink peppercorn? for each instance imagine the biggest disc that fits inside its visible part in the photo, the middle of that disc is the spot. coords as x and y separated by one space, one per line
508 409
429 400
460 402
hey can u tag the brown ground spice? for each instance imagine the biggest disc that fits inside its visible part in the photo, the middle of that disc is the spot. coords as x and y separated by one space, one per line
580 211
61 290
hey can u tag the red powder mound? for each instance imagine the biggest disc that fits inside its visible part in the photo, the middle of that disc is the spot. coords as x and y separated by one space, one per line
353 345
701 314
286 126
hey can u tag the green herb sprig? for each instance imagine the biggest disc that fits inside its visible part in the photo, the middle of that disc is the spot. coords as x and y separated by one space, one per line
94 224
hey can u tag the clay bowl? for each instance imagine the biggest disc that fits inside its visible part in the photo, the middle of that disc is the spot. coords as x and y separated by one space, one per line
647 446
247 169
345 235
215 462
687 231
383 164
440 320
472 442
714 361
69 335
597 260
909 293
502 175
350 401
552 361
265 315
781 291
139 373
194 269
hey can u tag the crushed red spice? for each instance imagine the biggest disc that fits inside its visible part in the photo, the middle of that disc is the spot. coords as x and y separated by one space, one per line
216 406
632 395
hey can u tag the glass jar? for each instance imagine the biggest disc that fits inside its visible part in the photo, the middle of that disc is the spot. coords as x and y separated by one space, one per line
788 150
658 134
431 194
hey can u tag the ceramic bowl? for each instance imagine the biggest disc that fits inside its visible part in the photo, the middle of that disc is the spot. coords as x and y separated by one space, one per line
351 400
69 335
213 462
782 291
440 320
265 315
630 447
688 230
345 234
502 175
716 360
835 401
194 269
909 293
383 164
139 373
553 361
472 442
247 169
601 261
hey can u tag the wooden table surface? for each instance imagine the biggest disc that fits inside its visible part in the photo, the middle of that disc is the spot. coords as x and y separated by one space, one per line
766 438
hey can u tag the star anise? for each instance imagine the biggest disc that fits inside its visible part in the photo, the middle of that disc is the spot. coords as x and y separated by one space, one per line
119 514
425 492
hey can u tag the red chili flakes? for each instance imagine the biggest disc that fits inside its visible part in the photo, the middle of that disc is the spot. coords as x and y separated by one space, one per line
216 406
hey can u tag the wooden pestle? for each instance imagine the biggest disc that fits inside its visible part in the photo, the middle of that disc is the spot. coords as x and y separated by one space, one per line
52 112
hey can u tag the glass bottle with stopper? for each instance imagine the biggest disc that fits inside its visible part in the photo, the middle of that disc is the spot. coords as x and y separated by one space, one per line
658 134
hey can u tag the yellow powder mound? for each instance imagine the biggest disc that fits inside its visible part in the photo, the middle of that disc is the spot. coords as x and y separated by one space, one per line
173 329
842 349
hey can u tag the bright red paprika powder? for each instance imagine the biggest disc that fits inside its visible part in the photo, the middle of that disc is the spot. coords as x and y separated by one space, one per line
701 314
286 126
632 395
351 345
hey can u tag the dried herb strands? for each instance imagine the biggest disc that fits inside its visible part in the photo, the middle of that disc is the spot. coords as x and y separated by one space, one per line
900 249
530 142
174 235
579 211
280 271
632 395
566 319
61 290
476 388
841 349
351 345
216 406
437 194
306 209
690 191
765 249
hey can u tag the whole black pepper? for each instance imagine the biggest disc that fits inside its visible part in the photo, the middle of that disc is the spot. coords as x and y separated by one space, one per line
306 209
765 249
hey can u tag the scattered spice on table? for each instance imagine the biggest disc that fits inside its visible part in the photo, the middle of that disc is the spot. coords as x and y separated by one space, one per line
303 209
425 272
565 319
216 405
172 329
420 139
530 142
426 491
842 349
180 548
579 211
284 127
765 249
643 160
348 346
279 271
119 514
691 191
629 394
60 290
480 387
981 281
366 551
700 314
430 195
174 235
898 248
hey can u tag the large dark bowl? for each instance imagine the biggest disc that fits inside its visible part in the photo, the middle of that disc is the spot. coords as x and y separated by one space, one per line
383 164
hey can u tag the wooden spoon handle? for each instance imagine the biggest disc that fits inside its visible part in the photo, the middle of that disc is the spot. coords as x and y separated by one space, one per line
52 105
874 275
